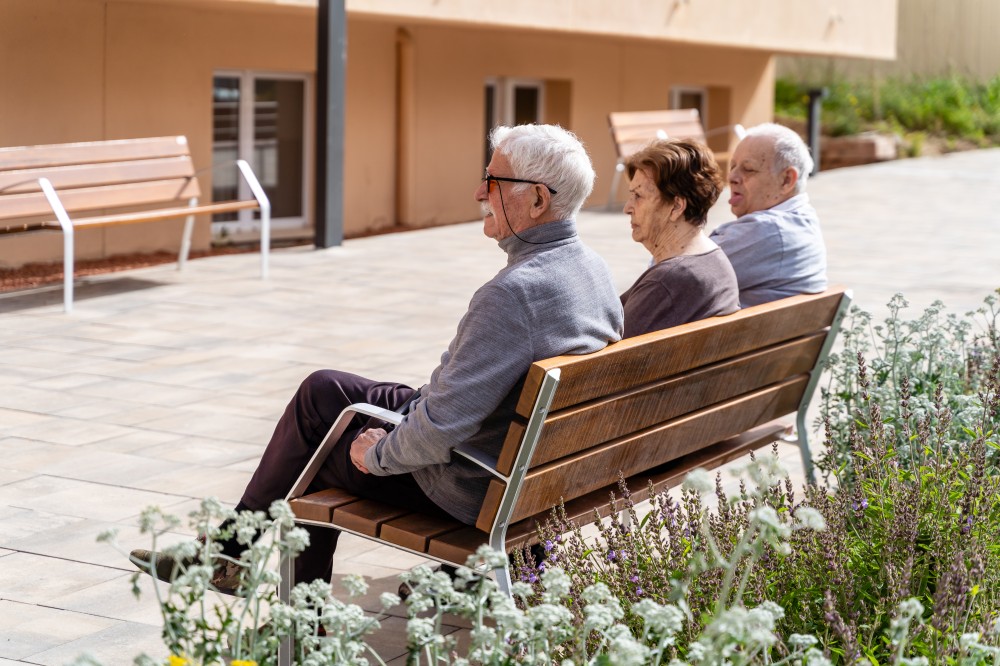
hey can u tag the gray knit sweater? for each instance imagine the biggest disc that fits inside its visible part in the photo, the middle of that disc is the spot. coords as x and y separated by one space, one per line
550 299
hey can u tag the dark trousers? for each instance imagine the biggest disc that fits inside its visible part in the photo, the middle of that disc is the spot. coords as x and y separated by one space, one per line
300 430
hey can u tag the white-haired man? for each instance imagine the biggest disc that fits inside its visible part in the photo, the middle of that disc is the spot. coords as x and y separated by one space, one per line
775 244
555 296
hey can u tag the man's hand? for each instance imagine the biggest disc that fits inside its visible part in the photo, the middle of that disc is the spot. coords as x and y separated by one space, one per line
362 443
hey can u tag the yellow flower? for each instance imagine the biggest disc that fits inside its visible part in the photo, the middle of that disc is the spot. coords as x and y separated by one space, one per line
243 662
174 660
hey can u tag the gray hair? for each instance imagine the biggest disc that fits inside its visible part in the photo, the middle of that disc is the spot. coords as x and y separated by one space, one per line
552 155
789 151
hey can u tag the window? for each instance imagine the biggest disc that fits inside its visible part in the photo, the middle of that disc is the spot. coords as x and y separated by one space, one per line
512 102
688 97
261 118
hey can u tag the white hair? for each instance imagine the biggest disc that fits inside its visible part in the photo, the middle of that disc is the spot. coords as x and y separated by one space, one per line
789 151
551 155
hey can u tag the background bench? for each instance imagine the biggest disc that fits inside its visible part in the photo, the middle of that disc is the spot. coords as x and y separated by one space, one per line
632 130
652 407
64 187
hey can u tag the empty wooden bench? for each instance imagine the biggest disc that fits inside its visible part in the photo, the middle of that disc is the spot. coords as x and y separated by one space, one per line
632 130
652 407
65 187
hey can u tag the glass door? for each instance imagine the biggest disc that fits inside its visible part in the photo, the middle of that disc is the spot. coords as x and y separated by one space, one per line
511 102
261 118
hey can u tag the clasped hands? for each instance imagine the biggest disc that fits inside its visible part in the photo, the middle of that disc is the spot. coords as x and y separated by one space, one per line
362 443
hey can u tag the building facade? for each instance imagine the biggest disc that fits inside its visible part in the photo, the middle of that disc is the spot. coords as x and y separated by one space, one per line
934 38
425 81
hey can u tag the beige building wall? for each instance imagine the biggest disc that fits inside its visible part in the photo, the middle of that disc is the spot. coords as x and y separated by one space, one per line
90 70
935 38
106 69
444 117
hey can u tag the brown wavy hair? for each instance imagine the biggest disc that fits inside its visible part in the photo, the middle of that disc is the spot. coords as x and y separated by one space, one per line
681 168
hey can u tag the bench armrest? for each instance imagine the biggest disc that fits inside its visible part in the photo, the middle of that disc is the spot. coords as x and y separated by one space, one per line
481 458
333 436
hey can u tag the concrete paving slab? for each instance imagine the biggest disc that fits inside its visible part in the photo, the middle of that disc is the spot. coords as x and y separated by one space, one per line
31 629
149 394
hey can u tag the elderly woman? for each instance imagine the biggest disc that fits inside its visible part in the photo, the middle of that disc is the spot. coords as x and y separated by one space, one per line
673 184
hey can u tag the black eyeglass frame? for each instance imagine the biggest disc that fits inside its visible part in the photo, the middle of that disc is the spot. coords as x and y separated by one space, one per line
487 176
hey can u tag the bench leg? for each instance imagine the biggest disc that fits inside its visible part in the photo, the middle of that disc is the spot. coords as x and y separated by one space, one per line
265 214
182 257
67 229
807 465
619 168
286 569
265 239
503 579
68 269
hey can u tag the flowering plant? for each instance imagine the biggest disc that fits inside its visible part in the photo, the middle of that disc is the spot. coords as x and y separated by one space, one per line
914 368
912 520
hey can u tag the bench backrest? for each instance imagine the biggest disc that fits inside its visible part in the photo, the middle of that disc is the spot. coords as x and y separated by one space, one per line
645 401
632 130
96 175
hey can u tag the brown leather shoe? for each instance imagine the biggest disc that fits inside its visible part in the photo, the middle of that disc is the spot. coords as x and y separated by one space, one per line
225 579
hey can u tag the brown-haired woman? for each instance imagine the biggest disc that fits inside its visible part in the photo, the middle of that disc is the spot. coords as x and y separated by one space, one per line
673 184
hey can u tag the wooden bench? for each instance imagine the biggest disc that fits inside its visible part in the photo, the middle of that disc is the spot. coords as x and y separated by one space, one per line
632 130
65 187
652 407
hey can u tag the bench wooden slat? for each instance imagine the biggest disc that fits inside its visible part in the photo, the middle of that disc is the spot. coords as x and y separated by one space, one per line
86 152
581 427
669 475
139 216
599 466
366 516
102 173
319 506
164 214
105 196
633 362
632 130
644 133
415 531
456 546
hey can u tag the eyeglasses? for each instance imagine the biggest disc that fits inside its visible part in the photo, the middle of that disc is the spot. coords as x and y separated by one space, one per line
487 177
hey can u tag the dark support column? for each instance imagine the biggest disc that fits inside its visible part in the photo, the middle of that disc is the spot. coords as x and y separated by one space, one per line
816 97
331 74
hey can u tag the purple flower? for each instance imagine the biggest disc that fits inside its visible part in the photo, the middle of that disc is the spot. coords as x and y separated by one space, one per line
541 566
634 578
611 555
639 592
549 546
967 527
532 578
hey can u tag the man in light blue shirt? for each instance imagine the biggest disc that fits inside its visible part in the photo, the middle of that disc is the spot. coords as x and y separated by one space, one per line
775 244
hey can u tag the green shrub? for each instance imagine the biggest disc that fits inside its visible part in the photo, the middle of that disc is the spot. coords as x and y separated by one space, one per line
946 107
911 507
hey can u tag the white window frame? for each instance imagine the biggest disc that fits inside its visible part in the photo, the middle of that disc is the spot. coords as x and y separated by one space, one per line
503 97
245 223
508 98
675 99
503 101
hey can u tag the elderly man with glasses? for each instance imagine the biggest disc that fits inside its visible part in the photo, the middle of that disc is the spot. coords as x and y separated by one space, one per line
555 296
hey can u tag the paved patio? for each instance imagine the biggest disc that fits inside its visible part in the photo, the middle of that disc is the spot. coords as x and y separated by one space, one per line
162 388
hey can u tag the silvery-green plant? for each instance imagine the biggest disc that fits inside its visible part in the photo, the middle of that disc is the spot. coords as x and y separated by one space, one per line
911 365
